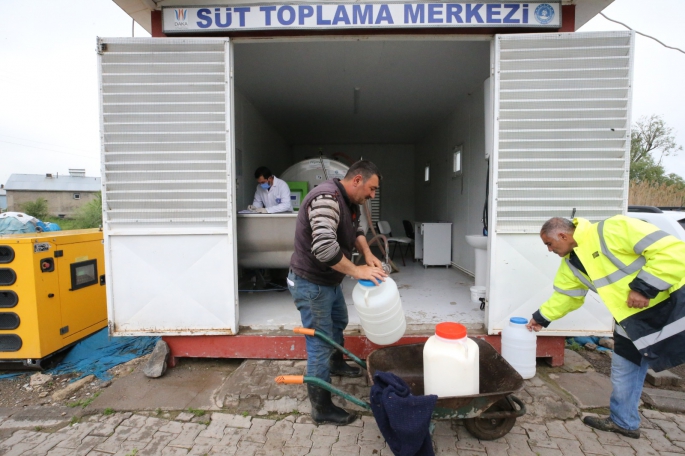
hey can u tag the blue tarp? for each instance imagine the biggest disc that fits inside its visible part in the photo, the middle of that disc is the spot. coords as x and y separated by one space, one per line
98 353
582 340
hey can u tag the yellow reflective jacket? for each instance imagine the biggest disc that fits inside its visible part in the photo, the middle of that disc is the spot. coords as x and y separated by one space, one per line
618 254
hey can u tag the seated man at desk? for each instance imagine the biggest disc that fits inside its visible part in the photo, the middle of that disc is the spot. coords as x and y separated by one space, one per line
272 194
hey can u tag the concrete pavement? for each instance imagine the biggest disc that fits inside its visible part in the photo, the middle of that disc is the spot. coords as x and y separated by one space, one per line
245 413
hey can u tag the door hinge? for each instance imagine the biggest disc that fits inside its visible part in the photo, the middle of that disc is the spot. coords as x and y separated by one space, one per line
63 330
59 253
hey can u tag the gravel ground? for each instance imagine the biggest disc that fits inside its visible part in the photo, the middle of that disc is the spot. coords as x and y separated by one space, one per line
17 391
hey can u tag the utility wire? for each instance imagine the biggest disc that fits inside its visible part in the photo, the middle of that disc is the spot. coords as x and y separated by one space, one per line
44 143
640 33
43 148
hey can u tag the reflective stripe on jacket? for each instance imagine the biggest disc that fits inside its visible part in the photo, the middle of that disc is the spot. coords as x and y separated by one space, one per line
618 254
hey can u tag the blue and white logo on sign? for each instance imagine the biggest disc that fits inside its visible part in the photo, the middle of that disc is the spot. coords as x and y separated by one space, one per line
544 13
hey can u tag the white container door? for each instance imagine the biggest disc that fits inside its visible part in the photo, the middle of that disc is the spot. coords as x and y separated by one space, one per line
561 141
168 186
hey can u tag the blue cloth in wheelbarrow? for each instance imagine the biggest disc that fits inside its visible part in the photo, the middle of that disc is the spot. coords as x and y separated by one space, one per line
402 418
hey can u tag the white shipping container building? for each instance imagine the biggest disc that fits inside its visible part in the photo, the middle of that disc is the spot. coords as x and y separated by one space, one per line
459 104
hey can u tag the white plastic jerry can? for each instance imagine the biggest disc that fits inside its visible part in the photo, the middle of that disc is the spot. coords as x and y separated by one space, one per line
380 311
451 362
519 346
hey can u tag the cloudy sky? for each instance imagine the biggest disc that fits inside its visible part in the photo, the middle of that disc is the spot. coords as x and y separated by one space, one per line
49 108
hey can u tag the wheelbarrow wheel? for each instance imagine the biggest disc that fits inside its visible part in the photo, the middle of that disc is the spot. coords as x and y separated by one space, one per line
493 428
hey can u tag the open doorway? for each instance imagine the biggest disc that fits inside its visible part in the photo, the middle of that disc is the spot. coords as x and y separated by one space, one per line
409 104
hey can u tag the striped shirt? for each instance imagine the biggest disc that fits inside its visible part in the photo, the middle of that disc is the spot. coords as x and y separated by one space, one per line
324 217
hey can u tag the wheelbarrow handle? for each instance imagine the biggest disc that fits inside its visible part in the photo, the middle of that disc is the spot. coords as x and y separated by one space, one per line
298 379
331 342
507 413
290 379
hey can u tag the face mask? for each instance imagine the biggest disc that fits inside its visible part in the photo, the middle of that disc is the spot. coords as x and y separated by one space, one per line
265 185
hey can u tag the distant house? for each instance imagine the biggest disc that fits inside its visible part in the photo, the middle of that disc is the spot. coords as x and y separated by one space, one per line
3 198
64 194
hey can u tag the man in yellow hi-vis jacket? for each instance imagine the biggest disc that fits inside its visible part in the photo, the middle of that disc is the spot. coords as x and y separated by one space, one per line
639 272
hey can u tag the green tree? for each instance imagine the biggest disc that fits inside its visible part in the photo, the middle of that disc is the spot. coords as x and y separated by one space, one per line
90 214
651 139
651 135
37 208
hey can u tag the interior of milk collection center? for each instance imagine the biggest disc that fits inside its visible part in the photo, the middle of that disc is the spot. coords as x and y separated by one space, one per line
405 104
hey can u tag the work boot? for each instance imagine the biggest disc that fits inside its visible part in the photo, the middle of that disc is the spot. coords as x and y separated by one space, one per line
338 366
323 409
606 424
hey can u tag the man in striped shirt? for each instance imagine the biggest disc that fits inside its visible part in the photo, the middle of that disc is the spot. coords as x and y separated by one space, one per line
327 231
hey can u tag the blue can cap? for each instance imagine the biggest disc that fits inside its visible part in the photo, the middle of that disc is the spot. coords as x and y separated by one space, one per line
518 320
366 283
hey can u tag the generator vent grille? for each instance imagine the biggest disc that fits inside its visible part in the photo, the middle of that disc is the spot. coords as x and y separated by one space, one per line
563 126
9 320
7 277
10 343
6 254
8 299
164 131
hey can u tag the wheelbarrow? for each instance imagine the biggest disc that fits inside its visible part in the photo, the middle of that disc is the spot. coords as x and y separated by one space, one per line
488 415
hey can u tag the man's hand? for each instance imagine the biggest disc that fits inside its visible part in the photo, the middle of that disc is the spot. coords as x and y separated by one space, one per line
259 210
372 261
372 273
533 325
636 300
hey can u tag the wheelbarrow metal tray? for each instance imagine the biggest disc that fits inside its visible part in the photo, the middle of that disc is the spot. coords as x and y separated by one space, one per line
497 378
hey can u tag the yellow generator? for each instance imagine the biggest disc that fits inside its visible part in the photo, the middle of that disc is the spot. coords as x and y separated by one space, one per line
52 292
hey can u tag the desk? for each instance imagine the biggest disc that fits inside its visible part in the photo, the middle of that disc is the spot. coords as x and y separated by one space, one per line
433 243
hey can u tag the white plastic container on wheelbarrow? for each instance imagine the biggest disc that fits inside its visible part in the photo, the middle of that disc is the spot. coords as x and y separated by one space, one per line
380 311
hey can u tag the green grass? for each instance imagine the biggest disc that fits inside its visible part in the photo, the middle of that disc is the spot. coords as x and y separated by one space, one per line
83 402
108 411
196 412
74 420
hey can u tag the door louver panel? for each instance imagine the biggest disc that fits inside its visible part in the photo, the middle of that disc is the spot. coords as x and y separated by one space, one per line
164 132
563 127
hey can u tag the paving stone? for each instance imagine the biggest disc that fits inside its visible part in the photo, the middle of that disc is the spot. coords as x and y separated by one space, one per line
556 429
232 436
185 416
538 435
663 378
641 446
569 447
234 421
199 450
445 444
666 400
156 445
673 432
350 451
443 427
574 362
295 451
282 428
495 448
173 451
50 442
173 427
653 414
659 442
590 389
323 441
543 451
325 429
608 438
186 438
518 445
619 450
466 441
